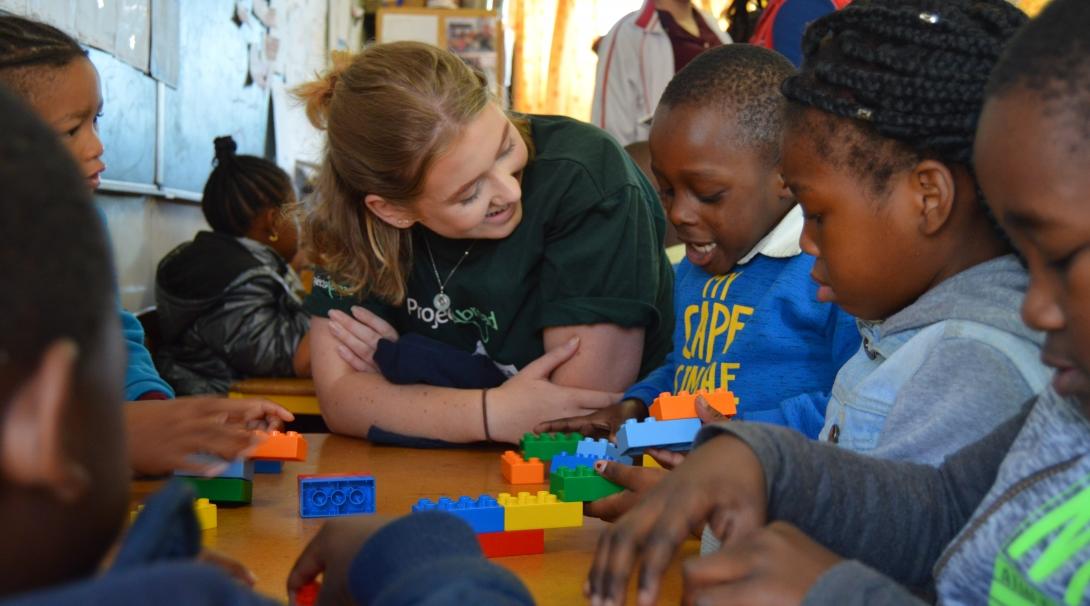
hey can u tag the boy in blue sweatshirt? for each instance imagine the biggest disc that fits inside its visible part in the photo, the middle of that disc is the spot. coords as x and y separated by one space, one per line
747 317
64 486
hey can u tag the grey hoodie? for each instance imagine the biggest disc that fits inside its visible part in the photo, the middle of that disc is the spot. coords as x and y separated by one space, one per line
941 372
1006 520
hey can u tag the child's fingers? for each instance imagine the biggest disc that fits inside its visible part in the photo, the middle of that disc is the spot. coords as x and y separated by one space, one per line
628 476
307 566
707 414
610 508
668 459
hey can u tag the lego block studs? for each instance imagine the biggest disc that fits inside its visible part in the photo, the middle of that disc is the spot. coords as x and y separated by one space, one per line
483 514
542 510
548 445
669 407
279 446
516 470
580 484
335 495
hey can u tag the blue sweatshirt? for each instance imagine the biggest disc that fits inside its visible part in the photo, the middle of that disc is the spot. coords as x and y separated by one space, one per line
759 332
141 377
428 558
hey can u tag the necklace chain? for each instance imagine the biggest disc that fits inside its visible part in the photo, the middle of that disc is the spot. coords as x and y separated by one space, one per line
435 268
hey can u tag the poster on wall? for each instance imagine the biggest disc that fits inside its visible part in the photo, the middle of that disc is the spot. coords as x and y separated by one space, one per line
96 23
473 35
133 41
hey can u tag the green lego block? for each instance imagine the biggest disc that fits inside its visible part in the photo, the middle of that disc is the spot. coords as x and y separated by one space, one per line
222 490
548 445
580 484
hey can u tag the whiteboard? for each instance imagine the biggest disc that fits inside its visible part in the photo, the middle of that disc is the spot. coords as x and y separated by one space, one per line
127 125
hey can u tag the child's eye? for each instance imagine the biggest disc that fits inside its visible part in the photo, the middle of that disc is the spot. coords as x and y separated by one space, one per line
1061 264
711 198
97 117
666 193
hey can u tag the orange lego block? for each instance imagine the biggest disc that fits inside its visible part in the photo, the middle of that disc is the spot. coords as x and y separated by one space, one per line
669 407
278 446
517 470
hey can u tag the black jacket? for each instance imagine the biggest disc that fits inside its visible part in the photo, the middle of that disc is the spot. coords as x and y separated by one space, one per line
227 311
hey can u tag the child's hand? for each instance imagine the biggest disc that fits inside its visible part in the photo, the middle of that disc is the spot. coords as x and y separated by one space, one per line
358 335
721 484
235 569
162 434
601 423
330 554
636 481
707 414
775 565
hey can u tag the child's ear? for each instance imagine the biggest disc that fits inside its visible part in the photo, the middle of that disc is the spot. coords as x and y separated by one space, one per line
390 213
32 445
934 188
783 190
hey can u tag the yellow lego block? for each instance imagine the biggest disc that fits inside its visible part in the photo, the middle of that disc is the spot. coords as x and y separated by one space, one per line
542 510
648 461
204 509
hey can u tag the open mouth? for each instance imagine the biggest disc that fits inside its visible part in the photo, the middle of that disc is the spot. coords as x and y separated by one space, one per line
500 214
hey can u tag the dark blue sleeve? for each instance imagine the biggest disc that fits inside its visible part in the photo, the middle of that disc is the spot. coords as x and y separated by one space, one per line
163 584
791 23
428 559
141 376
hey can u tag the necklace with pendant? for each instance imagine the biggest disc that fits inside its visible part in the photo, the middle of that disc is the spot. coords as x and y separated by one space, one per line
442 300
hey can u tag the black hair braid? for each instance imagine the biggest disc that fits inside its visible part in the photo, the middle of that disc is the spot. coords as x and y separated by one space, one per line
25 43
240 187
911 70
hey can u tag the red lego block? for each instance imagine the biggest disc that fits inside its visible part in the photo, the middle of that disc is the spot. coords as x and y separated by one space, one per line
683 406
278 446
517 470
307 595
512 543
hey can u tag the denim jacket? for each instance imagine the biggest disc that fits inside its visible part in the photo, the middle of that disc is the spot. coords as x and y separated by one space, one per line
942 372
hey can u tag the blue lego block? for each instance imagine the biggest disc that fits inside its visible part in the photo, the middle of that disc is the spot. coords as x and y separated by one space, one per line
324 496
614 454
483 514
634 436
565 460
268 466
601 449
241 469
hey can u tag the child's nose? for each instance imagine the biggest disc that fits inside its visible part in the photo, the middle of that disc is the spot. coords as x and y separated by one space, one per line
1040 309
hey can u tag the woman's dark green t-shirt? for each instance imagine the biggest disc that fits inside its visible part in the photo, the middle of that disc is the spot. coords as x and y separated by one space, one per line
589 250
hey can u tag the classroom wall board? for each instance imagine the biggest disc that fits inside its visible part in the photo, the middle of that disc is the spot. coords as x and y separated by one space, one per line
127 125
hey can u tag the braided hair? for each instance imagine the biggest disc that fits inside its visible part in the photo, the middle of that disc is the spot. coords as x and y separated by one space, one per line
26 46
1051 59
908 75
241 187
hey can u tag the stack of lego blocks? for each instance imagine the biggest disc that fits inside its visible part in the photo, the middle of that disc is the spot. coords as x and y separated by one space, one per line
510 525
234 484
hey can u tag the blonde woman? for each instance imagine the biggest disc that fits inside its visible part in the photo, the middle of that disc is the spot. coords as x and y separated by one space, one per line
532 240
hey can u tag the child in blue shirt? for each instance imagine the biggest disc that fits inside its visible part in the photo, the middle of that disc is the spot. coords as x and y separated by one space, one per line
747 317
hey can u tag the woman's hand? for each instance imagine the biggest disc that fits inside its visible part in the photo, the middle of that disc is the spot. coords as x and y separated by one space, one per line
777 564
530 398
330 554
162 434
721 484
358 336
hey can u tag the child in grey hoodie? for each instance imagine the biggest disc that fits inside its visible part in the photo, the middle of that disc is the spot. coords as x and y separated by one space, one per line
1002 521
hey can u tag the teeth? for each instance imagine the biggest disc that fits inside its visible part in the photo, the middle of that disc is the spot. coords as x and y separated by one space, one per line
704 248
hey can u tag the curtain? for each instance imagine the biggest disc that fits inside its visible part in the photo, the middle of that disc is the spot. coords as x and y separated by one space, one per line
554 63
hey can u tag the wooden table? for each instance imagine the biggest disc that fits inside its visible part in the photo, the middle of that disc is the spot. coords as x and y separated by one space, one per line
268 535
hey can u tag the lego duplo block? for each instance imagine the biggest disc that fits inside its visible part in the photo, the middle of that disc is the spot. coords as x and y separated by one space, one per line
332 495
548 445
206 513
307 595
204 510
512 543
580 484
222 490
601 449
634 436
527 511
242 469
278 446
483 514
564 460
268 466
649 461
517 470
669 407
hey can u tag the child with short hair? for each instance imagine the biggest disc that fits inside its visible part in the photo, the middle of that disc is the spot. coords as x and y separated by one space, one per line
1003 521
230 306
50 70
64 486
747 317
